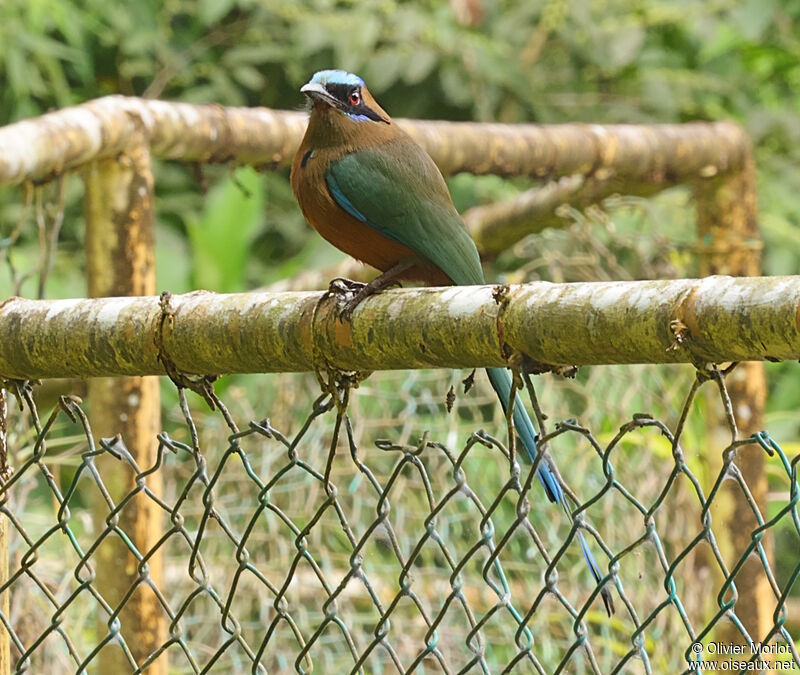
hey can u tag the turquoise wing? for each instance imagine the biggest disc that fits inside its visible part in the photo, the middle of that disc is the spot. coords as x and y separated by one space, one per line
396 189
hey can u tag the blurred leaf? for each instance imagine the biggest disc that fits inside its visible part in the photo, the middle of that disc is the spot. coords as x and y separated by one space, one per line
211 11
315 253
385 68
624 45
248 76
454 84
753 17
42 45
222 235
173 261
420 64
724 39
16 68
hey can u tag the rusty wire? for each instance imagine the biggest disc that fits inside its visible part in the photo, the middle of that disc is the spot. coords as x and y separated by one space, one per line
431 577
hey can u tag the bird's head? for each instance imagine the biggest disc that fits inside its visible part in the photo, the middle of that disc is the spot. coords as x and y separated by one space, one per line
345 92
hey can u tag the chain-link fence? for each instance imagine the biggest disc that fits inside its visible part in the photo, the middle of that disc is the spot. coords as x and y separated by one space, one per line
325 544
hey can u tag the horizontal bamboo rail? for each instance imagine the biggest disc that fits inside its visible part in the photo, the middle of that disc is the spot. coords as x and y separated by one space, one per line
41 148
715 319
497 226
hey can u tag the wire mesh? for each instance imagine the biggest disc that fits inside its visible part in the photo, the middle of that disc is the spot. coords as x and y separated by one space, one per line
331 548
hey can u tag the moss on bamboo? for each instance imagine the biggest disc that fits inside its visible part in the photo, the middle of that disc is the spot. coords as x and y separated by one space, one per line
47 146
201 333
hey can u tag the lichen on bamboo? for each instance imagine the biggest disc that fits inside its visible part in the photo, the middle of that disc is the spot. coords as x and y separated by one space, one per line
725 319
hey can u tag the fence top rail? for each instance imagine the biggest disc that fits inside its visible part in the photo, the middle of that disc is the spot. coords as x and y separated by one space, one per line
41 148
715 319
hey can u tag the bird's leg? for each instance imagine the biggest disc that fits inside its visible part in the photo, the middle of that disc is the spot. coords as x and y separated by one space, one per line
354 292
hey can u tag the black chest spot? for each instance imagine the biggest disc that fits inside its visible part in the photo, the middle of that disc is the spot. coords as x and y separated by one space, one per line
309 154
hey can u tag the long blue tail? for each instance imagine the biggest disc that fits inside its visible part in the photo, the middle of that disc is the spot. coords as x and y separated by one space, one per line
501 381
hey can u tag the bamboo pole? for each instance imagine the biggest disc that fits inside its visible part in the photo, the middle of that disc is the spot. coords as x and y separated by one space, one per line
120 261
593 161
729 243
44 147
715 319
498 226
5 598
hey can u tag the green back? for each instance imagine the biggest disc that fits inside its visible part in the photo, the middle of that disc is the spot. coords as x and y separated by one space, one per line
397 189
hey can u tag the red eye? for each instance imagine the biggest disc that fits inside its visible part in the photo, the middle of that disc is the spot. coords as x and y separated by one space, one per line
355 97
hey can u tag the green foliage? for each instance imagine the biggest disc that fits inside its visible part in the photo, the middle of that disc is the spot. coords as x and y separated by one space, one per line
222 236
539 60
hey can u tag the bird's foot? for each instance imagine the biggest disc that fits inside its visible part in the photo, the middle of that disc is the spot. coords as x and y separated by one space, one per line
348 294
342 288
356 299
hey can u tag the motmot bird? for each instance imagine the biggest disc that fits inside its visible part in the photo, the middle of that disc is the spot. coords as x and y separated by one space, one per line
372 192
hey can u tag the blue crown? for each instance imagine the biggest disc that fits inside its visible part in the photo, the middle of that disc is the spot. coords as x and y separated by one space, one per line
324 77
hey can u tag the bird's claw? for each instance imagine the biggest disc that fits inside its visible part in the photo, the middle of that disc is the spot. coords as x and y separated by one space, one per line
348 294
340 286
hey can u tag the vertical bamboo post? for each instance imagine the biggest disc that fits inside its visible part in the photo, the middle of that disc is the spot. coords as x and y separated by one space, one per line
730 244
5 598
120 261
